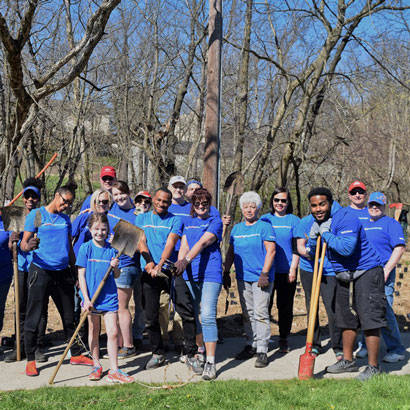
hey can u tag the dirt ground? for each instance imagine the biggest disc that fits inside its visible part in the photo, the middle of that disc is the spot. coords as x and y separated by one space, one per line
230 324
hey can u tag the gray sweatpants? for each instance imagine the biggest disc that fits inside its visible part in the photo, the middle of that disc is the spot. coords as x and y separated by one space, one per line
255 309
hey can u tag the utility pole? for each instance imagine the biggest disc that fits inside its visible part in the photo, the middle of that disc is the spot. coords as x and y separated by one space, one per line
210 176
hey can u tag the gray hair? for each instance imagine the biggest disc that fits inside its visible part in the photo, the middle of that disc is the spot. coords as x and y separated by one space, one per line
94 198
251 197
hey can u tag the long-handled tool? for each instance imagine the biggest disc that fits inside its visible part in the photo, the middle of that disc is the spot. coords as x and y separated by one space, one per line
126 238
13 220
307 360
233 187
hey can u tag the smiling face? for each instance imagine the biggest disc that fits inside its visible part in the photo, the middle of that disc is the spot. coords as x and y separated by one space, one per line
63 201
99 231
250 212
161 202
376 210
120 198
102 203
106 182
143 203
320 207
357 198
201 206
178 191
190 191
30 200
280 203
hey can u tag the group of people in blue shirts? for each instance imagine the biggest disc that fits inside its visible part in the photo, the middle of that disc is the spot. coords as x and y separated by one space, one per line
180 254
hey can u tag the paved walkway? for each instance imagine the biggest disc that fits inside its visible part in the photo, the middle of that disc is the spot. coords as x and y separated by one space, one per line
12 375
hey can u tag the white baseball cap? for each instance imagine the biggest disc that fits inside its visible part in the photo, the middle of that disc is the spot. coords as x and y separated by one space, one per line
177 178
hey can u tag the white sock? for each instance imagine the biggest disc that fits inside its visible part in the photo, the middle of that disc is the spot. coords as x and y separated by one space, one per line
210 359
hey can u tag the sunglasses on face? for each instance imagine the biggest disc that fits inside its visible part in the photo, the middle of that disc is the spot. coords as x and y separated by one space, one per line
374 205
103 202
143 201
30 195
357 191
65 200
198 204
282 201
107 178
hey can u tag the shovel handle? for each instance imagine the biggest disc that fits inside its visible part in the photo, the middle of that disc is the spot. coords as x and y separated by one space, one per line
82 320
314 279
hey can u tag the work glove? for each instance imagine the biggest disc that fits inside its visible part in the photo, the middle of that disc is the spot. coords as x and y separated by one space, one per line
263 281
226 281
32 243
325 226
314 231
14 237
180 266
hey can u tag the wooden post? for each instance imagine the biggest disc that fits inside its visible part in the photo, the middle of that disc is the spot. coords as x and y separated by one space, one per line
213 101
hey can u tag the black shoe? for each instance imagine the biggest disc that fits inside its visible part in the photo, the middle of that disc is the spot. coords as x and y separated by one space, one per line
137 344
343 366
12 356
247 353
369 372
261 360
40 356
126 352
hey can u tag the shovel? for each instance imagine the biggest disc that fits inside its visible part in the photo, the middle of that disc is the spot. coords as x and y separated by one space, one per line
13 220
125 241
233 187
307 360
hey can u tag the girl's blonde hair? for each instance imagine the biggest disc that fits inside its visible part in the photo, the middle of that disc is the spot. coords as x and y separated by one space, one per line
94 198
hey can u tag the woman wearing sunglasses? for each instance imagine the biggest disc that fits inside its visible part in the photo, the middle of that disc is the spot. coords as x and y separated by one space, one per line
124 208
252 250
200 258
47 232
286 261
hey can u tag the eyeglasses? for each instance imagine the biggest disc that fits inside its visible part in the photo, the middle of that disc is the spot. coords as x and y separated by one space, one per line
143 201
66 201
374 205
282 201
107 178
30 194
359 191
198 204
103 202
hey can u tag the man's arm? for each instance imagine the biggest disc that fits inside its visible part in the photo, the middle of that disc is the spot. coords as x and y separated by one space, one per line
167 252
393 260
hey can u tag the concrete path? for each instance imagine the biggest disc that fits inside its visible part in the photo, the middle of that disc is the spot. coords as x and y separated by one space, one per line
281 366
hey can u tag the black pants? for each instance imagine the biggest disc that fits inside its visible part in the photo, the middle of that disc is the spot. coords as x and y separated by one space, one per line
23 293
184 305
59 285
285 293
328 292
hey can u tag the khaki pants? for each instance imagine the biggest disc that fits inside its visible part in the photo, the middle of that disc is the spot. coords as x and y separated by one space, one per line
170 321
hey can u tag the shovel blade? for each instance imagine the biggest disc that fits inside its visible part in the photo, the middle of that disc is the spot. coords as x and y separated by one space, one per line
234 183
306 364
13 218
126 238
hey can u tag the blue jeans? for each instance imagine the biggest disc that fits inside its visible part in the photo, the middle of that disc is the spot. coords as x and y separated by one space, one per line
391 333
205 296
127 277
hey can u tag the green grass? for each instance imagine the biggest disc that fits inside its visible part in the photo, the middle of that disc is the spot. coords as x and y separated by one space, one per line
385 392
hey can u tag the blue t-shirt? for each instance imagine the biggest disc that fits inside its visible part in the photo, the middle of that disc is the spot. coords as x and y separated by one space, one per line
348 247
54 232
206 266
86 204
6 266
362 214
249 249
96 261
284 228
384 234
114 215
81 233
157 229
24 259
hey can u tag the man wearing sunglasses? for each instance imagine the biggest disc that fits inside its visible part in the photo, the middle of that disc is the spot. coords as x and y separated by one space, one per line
358 200
107 177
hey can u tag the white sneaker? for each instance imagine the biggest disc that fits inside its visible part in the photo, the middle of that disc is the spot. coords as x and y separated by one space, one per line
393 357
361 353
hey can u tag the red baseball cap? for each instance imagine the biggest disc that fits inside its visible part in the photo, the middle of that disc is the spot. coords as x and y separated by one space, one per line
144 194
357 184
108 172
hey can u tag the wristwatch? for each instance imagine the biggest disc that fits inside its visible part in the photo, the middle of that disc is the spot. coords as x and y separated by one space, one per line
188 259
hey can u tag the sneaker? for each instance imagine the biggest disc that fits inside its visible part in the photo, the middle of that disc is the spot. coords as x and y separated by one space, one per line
343 366
283 346
315 352
96 373
126 352
195 365
369 372
31 369
81 359
389 358
209 372
247 353
155 361
12 356
119 377
261 360
361 353
40 356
